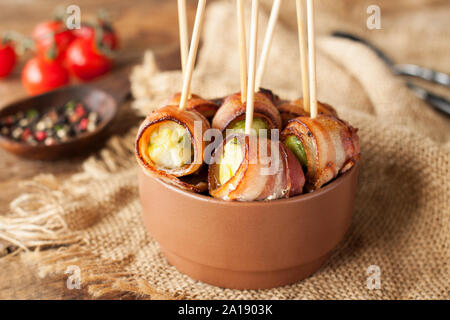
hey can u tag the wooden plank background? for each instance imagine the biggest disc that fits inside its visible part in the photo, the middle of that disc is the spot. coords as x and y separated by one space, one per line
141 24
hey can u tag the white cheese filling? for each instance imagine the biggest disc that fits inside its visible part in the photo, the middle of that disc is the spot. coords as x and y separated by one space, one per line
170 146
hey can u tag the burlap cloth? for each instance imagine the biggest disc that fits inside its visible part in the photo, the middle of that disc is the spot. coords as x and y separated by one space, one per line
401 219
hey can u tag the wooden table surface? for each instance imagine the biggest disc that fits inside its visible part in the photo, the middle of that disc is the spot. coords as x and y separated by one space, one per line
141 24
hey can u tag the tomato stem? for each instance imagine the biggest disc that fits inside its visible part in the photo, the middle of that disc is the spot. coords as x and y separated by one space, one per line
102 47
22 43
52 52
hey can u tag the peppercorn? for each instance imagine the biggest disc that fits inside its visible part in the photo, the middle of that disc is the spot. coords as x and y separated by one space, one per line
24 122
9 120
83 124
40 135
54 125
5 131
61 132
25 134
53 116
32 114
93 117
40 126
17 133
79 110
49 141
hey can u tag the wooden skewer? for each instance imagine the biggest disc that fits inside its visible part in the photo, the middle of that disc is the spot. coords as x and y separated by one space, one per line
252 67
192 53
242 48
312 59
267 42
184 42
184 36
303 46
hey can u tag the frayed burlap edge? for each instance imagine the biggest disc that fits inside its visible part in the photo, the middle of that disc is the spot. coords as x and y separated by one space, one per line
38 232
99 279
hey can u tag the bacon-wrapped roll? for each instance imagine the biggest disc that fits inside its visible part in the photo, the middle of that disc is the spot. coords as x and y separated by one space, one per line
167 147
269 94
294 109
251 168
325 146
231 114
207 108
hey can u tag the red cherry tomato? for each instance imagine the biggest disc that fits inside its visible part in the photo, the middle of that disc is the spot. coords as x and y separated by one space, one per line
40 75
86 61
52 39
7 59
110 38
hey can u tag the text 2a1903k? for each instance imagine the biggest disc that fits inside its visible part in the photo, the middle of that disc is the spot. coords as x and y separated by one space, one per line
231 309
255 309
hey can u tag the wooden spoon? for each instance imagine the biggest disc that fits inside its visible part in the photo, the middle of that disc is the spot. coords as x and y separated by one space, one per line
103 97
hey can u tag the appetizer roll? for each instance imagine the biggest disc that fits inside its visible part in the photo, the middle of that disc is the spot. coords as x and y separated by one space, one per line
294 109
325 146
243 171
167 147
207 108
231 114
269 94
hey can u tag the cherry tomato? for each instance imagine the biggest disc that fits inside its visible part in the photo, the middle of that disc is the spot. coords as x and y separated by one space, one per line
7 59
88 31
52 39
85 60
40 75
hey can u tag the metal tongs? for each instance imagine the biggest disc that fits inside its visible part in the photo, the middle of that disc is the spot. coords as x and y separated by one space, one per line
438 102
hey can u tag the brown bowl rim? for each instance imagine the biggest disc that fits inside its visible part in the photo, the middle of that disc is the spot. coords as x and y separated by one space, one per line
335 183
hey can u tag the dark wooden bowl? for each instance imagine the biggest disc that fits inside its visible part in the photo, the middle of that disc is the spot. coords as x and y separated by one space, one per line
94 99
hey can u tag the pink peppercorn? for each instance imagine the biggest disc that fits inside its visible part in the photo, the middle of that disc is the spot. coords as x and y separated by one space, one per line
83 124
26 134
40 135
79 110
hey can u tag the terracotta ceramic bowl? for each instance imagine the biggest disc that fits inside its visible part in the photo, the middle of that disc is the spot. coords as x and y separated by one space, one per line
247 245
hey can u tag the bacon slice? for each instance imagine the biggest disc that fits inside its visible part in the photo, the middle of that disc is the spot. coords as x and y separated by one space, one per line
331 146
269 175
269 94
294 109
207 108
189 172
233 109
